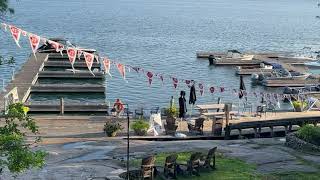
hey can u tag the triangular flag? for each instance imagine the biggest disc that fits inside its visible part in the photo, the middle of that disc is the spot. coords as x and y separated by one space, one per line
55 45
24 33
211 89
201 88
4 26
150 76
34 42
107 65
97 58
72 54
222 89
175 82
89 58
15 32
188 83
122 70
79 53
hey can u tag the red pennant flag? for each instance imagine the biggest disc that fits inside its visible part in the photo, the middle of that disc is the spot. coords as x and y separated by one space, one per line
188 83
107 66
34 42
222 89
201 88
72 54
89 58
175 82
15 32
150 76
211 90
55 45
122 70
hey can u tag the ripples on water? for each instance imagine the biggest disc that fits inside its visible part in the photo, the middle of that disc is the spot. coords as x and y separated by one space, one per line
163 36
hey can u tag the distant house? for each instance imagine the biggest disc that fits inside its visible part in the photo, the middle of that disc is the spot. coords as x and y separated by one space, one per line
233 54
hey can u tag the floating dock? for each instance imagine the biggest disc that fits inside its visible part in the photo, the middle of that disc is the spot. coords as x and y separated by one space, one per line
25 83
291 83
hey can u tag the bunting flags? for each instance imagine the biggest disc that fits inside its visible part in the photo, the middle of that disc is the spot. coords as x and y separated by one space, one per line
107 64
122 70
72 53
15 32
149 75
34 43
89 58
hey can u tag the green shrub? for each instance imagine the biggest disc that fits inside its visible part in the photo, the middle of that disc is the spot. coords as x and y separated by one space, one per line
310 134
140 127
299 104
172 111
111 128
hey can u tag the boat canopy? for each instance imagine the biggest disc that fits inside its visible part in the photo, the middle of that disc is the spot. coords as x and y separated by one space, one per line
274 65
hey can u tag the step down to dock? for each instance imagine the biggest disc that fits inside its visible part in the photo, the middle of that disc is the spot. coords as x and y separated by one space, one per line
68 65
69 74
58 88
33 108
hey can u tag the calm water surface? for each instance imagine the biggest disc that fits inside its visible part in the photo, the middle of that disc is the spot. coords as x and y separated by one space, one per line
163 36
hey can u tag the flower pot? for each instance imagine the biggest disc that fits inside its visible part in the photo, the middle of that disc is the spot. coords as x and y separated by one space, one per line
140 132
298 109
111 134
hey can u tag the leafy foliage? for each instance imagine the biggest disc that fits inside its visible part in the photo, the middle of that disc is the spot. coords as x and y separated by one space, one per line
310 134
111 127
15 153
4 8
140 125
172 111
299 104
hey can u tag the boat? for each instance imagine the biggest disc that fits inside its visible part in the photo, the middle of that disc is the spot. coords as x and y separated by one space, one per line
48 48
315 64
249 70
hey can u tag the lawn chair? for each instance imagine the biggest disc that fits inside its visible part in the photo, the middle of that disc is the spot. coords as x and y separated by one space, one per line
192 166
139 113
197 128
170 126
154 110
147 168
170 167
211 157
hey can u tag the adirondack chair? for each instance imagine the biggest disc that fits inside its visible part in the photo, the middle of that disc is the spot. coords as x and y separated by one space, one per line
170 167
170 126
211 157
192 166
147 168
197 128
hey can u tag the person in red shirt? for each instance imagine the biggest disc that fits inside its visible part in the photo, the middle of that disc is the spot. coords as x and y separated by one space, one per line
117 107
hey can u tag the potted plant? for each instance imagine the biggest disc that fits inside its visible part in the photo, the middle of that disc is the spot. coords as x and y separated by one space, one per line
299 105
140 127
112 128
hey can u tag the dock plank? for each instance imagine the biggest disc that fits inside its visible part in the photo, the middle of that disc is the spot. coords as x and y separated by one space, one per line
58 88
69 74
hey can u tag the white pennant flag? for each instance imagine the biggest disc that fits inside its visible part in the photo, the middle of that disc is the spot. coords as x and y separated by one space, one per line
72 54
24 33
97 58
89 58
34 43
4 26
55 45
107 65
79 54
15 32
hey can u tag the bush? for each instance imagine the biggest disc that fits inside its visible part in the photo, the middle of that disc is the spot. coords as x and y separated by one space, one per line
111 128
140 127
310 134
299 105
172 111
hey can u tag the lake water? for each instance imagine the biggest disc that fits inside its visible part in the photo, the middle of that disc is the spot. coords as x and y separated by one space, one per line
164 35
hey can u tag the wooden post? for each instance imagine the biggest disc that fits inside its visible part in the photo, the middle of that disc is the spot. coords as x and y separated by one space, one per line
256 135
213 125
227 109
285 130
61 106
271 131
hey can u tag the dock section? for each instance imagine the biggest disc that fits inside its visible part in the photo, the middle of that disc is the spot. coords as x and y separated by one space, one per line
24 79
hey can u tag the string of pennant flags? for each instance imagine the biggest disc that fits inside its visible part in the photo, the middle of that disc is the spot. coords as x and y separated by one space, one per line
75 53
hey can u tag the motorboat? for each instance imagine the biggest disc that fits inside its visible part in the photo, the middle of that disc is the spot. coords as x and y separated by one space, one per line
47 48
315 64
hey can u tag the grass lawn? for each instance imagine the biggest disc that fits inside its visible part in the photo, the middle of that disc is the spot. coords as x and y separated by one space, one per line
231 168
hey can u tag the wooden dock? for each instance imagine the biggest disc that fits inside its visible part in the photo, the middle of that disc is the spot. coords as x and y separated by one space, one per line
250 71
291 83
67 64
77 108
58 88
25 78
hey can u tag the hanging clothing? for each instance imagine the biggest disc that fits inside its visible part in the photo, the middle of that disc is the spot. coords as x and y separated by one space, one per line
193 96
182 105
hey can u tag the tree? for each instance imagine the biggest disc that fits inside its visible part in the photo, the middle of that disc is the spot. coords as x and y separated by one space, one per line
15 152
4 8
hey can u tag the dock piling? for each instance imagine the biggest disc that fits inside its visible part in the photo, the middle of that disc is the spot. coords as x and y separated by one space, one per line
211 58
61 106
